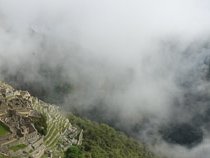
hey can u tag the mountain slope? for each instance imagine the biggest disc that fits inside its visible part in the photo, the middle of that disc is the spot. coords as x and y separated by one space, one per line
69 136
102 141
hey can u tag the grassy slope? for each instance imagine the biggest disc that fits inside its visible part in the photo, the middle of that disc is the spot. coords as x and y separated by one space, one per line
102 141
18 147
3 130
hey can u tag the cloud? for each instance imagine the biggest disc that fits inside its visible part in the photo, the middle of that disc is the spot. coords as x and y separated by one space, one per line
134 64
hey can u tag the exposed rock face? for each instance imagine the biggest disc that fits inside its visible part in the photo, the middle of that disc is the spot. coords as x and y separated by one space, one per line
17 110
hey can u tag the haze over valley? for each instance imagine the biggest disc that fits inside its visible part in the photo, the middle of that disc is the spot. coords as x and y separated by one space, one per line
141 66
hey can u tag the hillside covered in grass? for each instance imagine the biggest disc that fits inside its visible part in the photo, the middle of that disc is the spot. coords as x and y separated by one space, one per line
102 141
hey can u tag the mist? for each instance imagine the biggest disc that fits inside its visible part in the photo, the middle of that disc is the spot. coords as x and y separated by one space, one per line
140 66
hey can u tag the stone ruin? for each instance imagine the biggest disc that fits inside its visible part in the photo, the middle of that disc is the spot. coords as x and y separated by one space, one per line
15 114
17 108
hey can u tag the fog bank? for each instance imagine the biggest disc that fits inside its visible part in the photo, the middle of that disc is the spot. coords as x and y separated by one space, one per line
137 65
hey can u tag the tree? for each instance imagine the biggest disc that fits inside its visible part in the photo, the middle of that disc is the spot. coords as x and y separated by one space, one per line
73 152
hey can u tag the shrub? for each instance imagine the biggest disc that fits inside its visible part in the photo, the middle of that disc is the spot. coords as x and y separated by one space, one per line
73 152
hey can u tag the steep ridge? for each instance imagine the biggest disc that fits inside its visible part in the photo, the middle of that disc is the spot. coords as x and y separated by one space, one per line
66 135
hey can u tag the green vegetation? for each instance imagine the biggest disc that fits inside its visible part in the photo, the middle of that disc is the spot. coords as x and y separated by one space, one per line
18 147
2 156
4 130
74 152
41 124
102 141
